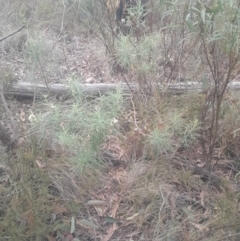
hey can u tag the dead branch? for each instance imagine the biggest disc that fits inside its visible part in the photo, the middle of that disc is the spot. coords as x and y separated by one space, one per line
63 90
11 34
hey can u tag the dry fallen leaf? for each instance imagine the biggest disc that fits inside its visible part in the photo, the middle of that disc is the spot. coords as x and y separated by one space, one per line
49 238
110 232
22 115
60 209
119 174
202 196
99 205
86 224
200 227
41 164
73 225
96 202
186 235
132 217
113 212
201 164
68 237
173 204
101 210
134 233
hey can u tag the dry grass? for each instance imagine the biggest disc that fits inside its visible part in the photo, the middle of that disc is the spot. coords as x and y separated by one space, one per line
155 196
136 155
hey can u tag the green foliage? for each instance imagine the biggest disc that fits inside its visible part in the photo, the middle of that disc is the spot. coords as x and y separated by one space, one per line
36 49
39 49
190 132
177 132
139 58
80 127
218 23
216 28
161 141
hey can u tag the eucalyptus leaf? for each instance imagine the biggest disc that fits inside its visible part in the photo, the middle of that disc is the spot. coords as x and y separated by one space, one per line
110 220
203 14
96 202
88 223
72 225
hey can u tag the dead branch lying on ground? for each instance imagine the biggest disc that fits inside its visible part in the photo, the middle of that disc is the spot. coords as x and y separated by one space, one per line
63 90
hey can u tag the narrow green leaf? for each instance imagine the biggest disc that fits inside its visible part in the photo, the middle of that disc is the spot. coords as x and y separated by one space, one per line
110 220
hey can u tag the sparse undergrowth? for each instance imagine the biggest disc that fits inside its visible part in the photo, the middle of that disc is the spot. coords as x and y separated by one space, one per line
153 166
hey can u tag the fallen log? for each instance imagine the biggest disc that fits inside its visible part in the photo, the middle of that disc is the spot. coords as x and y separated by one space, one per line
26 89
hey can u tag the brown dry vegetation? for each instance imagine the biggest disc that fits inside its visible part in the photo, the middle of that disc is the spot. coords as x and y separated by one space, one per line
152 166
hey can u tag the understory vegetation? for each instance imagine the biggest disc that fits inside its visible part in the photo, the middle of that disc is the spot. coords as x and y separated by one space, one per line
158 162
